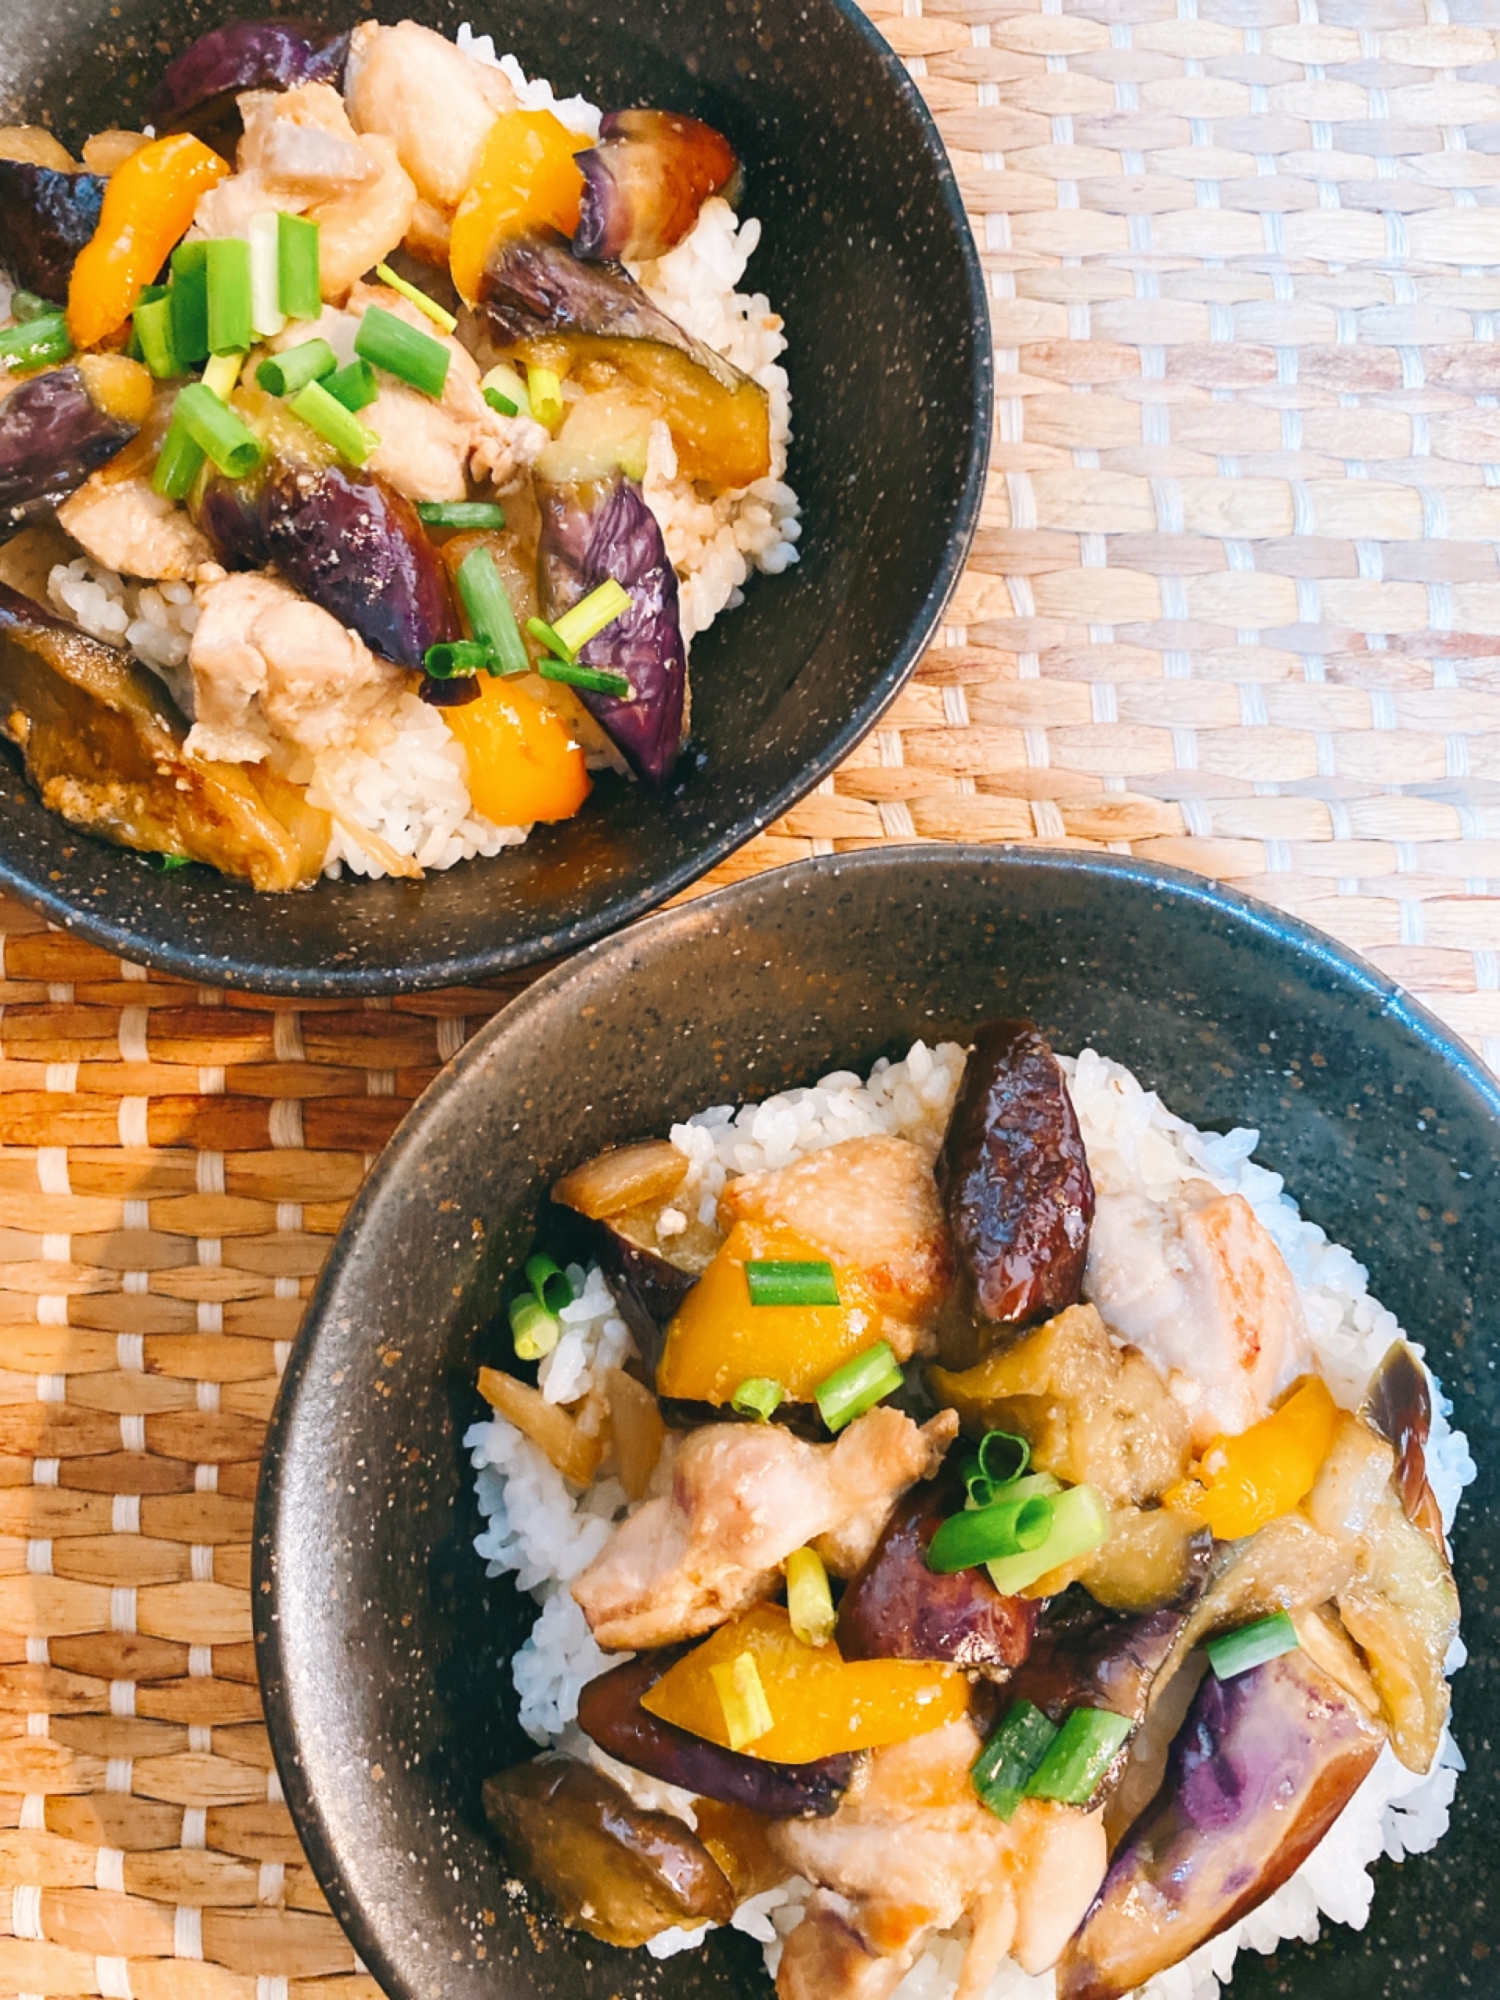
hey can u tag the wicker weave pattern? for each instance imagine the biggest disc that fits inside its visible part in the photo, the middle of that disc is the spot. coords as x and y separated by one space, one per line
1234 603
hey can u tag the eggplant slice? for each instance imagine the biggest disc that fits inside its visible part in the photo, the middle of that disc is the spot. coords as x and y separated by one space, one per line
46 217
52 436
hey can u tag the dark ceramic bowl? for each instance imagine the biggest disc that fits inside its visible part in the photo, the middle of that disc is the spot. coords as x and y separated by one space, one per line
867 255
382 1646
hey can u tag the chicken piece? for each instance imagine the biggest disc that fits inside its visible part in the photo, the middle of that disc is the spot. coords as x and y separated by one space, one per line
427 447
743 1496
125 526
265 660
436 103
870 1204
1198 1285
914 1852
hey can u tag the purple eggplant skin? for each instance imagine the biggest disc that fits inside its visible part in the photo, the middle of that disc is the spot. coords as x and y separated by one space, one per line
198 89
1398 1407
229 512
46 217
646 1287
1015 1179
602 530
646 180
609 1710
896 1608
52 436
456 692
1260 1770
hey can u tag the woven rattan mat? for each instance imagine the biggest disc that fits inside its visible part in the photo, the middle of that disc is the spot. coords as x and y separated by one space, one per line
1234 603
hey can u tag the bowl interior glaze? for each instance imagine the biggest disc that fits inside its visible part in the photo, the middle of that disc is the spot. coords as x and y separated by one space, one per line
865 252
383 1646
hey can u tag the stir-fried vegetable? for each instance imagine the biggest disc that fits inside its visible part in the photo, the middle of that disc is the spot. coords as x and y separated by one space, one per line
46 217
1251 1646
645 182
147 206
524 764
1243 1482
527 179
56 428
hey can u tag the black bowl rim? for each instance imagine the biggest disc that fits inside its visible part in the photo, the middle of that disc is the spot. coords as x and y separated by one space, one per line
459 968
1303 940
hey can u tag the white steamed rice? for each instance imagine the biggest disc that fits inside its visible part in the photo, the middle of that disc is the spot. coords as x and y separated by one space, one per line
543 1531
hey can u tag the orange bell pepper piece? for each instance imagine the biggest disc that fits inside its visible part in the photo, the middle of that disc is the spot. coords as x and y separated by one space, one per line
820 1703
1245 1481
524 764
718 1339
527 179
148 204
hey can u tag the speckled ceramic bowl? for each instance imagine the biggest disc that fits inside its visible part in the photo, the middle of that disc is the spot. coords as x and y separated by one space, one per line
867 255
383 1647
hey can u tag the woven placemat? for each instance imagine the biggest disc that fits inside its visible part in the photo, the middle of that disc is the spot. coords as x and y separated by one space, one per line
1234 603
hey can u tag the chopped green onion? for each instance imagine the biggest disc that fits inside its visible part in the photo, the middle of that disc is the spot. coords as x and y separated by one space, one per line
1003 1768
455 659
26 305
439 315
1078 1756
1080 1522
221 374
1252 1645
504 382
411 356
856 1387
153 329
333 423
355 386
533 1329
1001 1459
165 863
285 373
545 391
758 1397
985 1534
488 611
266 316
742 1697
775 1282
227 440
460 514
178 463
596 679
230 330
299 281
189 295
809 1601
37 343
544 635
590 615
549 1281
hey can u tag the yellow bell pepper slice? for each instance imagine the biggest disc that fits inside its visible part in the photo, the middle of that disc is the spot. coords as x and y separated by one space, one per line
718 1339
1243 1482
149 202
524 763
527 179
820 1703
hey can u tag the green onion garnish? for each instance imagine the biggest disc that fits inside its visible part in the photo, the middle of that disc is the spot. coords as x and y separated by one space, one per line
266 315
230 329
501 404
533 1329
544 635
742 1697
222 373
545 391
224 437
333 423
37 343
488 611
596 679
1078 1756
809 1601
460 514
1080 1522
285 373
1001 1459
758 1397
454 659
179 461
858 1386
549 1281
355 386
1252 1645
26 305
153 329
590 615
299 282
504 382
986 1534
1003 1768
189 295
789 1283
411 356
439 315
165 863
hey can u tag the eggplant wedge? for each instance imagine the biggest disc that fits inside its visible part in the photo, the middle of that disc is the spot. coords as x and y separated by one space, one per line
102 743
199 89
46 217
645 181
54 433
1259 1772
